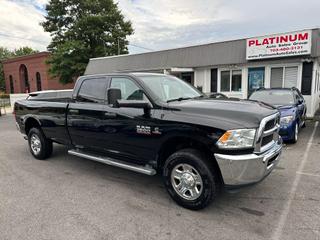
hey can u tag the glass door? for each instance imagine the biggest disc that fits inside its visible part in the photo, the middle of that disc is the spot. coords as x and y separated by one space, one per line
255 79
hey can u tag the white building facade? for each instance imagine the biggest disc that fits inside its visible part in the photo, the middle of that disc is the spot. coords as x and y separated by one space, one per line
235 68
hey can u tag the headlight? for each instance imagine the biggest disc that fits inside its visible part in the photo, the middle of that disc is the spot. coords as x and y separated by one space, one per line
235 139
286 120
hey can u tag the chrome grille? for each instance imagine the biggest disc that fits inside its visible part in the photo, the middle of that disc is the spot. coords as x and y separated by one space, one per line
268 133
266 140
270 124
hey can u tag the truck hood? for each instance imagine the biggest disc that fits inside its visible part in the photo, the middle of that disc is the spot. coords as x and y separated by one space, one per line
222 113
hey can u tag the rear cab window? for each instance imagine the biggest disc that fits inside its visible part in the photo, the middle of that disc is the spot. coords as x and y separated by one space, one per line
93 90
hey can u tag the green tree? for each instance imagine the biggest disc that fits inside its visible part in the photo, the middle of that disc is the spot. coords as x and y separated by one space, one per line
83 29
22 51
5 53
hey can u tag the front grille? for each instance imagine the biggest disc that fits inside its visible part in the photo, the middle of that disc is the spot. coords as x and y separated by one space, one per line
266 140
270 124
268 133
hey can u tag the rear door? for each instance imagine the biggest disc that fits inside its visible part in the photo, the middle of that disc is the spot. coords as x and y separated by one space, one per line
86 114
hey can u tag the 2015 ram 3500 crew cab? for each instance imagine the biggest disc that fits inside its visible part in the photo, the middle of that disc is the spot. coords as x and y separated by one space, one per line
152 123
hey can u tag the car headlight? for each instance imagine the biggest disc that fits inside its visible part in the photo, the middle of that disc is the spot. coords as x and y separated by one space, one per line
235 139
286 120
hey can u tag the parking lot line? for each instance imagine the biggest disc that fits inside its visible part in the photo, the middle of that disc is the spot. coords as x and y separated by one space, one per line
308 174
284 215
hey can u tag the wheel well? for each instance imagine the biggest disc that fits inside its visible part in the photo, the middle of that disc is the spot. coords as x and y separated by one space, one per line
178 143
31 123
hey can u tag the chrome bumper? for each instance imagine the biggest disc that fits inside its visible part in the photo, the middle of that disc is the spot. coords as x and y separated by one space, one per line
239 170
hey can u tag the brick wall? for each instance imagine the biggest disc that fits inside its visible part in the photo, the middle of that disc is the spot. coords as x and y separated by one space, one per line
34 63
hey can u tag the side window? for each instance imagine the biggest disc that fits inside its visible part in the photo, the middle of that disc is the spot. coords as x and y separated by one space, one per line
129 90
92 90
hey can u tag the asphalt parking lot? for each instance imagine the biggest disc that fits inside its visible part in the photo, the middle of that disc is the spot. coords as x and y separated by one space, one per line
68 197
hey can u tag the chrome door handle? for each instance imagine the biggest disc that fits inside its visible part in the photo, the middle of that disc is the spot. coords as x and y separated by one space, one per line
110 114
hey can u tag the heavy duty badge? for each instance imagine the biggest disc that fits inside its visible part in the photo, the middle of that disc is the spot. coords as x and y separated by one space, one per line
143 130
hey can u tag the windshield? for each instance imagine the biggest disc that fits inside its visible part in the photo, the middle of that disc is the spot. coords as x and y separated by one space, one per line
277 97
169 88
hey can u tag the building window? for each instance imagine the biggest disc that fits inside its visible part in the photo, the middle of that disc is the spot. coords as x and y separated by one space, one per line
231 81
286 77
236 80
38 79
214 80
188 77
11 84
24 79
306 82
276 80
225 81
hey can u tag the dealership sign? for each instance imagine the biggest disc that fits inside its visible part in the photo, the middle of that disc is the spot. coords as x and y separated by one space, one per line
279 45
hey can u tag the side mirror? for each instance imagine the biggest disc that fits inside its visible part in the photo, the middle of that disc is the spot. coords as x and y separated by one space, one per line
113 95
300 101
135 104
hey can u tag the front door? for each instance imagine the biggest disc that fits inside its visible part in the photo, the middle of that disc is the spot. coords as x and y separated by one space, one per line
255 79
130 134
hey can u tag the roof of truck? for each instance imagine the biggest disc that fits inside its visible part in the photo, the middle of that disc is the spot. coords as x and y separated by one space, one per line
50 91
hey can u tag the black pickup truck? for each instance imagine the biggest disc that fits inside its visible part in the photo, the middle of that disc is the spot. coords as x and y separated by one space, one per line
151 123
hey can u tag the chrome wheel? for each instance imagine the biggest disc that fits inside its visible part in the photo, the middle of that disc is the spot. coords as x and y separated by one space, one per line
186 181
35 144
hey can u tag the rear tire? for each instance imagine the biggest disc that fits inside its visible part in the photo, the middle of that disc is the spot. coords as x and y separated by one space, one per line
40 147
189 179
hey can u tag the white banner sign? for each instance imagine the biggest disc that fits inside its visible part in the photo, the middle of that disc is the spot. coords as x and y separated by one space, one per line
279 45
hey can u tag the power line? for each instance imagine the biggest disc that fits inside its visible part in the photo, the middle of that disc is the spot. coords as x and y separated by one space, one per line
134 45
22 38
45 43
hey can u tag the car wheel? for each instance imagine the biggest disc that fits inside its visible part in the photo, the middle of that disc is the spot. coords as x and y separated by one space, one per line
296 133
189 179
40 147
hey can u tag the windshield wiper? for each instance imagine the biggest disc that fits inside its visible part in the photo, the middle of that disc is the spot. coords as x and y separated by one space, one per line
201 96
178 99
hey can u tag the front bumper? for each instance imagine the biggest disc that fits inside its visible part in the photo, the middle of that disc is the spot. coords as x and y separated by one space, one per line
287 131
242 170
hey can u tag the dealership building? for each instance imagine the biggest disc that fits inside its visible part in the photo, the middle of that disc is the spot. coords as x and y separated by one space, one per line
237 67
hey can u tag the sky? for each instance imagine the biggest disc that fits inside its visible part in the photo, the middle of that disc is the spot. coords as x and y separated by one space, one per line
165 24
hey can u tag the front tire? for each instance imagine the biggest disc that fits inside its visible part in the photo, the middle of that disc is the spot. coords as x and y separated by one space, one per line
40 147
189 179
296 133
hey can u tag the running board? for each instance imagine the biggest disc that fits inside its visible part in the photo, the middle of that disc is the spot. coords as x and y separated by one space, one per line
113 162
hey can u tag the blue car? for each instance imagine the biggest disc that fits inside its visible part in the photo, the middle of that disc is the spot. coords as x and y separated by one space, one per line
291 105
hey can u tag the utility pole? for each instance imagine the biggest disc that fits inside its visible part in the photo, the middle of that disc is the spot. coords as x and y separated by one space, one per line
118 46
